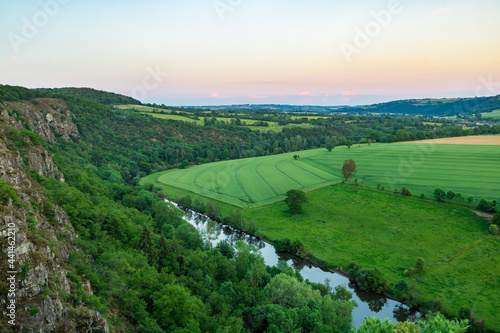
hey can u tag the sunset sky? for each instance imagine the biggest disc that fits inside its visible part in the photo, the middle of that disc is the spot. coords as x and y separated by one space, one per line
205 52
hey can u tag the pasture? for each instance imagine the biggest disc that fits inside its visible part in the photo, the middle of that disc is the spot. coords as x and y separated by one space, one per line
343 224
495 115
246 182
468 169
273 126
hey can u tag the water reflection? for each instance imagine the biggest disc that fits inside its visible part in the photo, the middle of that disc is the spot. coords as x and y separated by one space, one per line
369 304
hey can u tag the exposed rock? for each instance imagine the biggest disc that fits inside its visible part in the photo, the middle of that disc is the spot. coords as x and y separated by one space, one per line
49 117
42 283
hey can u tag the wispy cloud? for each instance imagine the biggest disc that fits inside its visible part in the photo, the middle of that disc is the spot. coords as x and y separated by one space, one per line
348 93
305 93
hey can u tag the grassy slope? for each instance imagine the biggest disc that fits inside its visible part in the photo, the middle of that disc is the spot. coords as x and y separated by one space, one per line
421 167
384 230
389 231
273 126
495 115
246 182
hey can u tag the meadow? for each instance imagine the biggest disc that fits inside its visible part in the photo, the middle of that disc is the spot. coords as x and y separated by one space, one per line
344 223
422 167
374 228
495 115
273 126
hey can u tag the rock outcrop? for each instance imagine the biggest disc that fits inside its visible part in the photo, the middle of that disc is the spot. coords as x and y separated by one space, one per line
44 237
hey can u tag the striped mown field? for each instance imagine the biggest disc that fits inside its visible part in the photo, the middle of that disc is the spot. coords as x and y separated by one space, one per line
469 169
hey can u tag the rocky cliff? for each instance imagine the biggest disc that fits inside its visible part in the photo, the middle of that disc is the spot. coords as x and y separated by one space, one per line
33 274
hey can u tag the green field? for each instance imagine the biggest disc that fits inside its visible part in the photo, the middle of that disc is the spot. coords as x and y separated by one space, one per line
137 108
273 126
469 169
343 224
495 115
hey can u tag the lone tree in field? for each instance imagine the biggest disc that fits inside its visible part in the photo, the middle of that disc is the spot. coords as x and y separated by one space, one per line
294 200
349 143
329 146
349 169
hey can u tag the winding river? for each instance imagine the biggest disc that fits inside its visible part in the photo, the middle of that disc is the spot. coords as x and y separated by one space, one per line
369 304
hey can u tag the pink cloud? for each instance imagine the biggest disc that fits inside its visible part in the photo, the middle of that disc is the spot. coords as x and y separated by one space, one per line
348 93
305 93
215 95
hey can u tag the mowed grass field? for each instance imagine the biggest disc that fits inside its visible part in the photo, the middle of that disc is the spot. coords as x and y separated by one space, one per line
343 224
247 182
374 228
469 169
495 115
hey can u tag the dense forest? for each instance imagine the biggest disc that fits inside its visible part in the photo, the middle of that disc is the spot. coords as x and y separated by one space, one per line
151 271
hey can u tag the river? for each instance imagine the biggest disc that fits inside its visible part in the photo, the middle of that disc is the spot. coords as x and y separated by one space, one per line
369 304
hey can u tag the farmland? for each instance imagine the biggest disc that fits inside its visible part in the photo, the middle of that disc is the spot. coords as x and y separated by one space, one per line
495 115
343 224
189 117
421 167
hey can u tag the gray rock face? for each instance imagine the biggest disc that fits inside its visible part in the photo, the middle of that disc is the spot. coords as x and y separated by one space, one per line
41 257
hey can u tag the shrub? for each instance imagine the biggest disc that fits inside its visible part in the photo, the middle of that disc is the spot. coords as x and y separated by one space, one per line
260 234
405 191
7 192
439 194
369 279
34 310
494 229
420 265
450 195
487 206
496 219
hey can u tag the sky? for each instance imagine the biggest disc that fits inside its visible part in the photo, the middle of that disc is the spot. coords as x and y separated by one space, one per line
212 52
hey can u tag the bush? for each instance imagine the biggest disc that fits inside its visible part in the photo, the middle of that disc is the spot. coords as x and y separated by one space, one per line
34 310
369 279
487 206
494 229
405 191
439 194
260 234
420 265
496 219
450 195
7 192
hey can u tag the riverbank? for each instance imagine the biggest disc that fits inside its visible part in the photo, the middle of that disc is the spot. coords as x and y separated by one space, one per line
369 304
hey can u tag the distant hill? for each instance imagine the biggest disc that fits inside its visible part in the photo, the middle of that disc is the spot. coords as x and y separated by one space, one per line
426 107
275 107
433 107
103 97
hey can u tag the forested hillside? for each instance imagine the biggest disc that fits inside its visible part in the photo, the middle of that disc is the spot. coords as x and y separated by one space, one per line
128 262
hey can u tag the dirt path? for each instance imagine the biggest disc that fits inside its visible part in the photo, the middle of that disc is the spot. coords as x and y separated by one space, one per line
487 216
